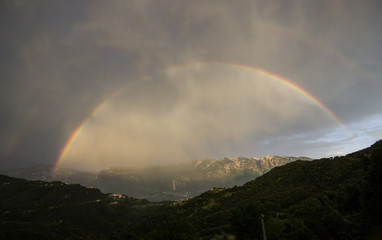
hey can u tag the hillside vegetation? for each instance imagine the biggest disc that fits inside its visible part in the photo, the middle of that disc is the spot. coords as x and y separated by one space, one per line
54 210
334 198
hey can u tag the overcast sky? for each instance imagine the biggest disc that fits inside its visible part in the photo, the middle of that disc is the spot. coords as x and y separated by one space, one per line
185 80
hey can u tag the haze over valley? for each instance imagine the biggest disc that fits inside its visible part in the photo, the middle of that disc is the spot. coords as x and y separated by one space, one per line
159 183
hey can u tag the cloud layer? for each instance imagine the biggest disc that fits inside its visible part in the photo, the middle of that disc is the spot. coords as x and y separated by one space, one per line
193 112
60 60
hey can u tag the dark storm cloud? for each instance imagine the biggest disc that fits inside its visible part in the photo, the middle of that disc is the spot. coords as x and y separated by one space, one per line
43 70
66 58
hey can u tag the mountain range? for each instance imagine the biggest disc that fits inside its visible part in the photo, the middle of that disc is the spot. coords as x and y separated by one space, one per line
330 198
158 183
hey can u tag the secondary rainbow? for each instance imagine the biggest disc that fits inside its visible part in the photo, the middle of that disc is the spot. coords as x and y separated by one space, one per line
13 142
280 79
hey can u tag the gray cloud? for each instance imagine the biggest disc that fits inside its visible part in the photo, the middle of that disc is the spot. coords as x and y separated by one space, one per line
65 58
194 111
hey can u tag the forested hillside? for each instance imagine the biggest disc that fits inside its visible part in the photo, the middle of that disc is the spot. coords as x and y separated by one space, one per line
55 210
333 198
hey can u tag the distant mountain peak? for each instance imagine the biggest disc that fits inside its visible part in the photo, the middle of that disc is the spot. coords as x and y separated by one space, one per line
156 182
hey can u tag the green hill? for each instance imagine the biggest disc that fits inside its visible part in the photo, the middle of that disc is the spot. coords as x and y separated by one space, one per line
334 198
54 210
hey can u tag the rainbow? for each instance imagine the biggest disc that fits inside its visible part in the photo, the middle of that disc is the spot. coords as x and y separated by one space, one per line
74 136
79 129
285 82
15 139
265 73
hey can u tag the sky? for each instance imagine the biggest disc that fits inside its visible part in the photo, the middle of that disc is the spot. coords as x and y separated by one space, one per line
94 84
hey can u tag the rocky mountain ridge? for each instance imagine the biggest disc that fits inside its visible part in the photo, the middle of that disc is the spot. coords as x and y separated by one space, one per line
215 168
158 183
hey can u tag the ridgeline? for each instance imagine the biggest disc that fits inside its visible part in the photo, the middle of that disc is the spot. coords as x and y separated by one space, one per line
333 198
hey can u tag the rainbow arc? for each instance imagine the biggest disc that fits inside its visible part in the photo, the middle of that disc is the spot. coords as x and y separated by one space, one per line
77 132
